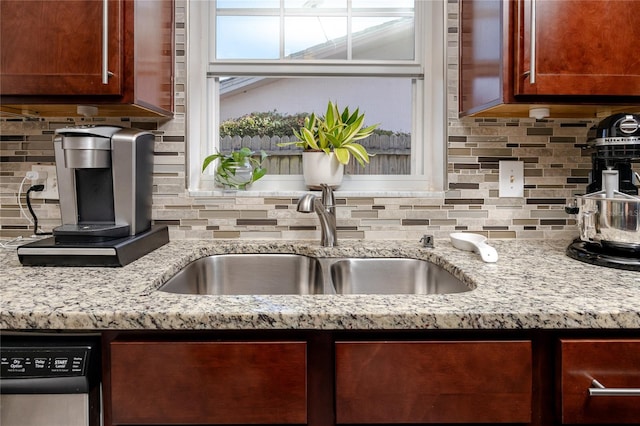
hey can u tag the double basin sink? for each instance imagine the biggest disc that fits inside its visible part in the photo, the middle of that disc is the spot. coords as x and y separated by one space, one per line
271 274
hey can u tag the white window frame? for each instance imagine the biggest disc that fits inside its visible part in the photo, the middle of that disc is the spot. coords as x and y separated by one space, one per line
429 121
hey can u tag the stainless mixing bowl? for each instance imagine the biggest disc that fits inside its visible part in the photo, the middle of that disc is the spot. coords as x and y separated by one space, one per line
611 222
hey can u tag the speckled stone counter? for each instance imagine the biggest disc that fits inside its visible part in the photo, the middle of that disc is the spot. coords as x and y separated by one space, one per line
533 285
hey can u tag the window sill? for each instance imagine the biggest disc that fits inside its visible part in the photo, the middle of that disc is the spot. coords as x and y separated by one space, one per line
297 193
362 186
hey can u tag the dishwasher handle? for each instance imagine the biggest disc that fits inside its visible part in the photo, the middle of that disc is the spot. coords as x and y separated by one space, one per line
45 385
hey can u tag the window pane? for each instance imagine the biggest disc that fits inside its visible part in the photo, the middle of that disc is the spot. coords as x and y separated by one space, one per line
383 38
315 38
315 29
247 37
245 4
263 111
322 4
357 4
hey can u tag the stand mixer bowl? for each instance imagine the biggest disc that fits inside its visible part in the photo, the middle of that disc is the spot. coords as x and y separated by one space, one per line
610 222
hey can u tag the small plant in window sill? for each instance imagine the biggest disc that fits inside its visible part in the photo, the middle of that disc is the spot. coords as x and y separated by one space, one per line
237 169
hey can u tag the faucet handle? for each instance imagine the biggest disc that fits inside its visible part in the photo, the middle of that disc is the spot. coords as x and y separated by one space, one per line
328 199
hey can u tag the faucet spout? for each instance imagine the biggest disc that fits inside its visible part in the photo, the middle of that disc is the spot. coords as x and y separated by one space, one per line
305 203
326 211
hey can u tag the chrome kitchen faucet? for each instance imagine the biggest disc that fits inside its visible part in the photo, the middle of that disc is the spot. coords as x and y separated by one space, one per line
326 211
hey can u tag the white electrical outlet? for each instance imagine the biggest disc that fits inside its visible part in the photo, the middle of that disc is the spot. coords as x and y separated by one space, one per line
511 177
50 184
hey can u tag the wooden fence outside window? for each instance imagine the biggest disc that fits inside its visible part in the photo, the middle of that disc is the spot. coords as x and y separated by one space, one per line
392 154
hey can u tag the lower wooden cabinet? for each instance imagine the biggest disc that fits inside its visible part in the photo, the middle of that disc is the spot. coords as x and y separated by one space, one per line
321 378
186 383
614 364
433 382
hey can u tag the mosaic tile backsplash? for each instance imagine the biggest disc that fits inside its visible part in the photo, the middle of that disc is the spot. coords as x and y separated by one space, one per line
555 169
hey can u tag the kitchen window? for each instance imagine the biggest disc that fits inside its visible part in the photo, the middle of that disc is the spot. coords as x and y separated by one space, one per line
293 56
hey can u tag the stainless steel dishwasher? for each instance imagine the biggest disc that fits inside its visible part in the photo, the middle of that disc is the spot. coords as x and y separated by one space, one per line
50 379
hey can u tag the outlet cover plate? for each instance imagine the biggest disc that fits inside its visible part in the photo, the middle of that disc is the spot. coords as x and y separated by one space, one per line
511 179
50 184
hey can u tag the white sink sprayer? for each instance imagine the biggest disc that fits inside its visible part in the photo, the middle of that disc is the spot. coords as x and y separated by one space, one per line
475 243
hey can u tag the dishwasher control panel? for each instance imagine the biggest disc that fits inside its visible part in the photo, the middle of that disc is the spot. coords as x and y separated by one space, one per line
39 362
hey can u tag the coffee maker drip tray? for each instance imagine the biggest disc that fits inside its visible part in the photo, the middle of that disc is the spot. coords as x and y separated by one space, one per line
90 232
596 254
112 252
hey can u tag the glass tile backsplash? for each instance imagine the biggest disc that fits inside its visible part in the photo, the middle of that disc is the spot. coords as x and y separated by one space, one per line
555 169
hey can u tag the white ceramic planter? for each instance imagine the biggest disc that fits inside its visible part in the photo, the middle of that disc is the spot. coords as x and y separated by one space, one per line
319 168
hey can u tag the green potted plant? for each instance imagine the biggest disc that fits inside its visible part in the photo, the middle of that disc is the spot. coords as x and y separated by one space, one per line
329 142
237 169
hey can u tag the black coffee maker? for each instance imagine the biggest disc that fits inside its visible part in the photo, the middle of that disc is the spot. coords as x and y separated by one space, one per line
105 188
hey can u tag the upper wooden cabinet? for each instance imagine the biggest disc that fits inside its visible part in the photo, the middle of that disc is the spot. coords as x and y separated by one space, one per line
574 56
113 54
582 47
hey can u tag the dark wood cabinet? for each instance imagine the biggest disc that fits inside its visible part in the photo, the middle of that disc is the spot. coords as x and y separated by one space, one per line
613 363
434 382
199 382
331 377
113 54
485 62
63 52
582 47
574 56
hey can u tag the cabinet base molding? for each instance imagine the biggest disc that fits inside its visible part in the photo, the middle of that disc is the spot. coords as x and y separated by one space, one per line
71 110
555 110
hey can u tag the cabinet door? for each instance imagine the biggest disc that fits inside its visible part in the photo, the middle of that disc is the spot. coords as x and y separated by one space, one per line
485 77
614 364
208 383
578 47
56 47
433 382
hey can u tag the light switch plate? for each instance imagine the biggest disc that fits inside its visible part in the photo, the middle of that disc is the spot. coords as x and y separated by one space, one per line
511 179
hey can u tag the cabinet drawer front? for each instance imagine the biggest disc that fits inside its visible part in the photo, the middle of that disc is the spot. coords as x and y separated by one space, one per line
613 363
203 383
385 382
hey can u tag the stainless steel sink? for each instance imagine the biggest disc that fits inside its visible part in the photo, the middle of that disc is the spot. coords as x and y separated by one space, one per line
234 274
393 276
269 274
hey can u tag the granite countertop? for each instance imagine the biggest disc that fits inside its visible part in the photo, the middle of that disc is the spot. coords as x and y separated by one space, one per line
533 285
